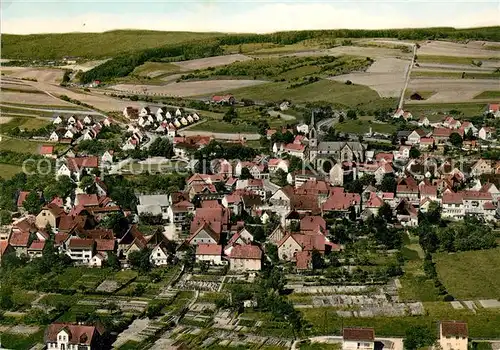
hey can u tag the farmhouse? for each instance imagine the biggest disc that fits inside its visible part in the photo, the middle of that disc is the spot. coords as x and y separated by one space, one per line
65 336
358 339
245 258
453 335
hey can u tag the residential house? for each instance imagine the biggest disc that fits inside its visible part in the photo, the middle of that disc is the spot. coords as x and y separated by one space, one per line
224 99
19 241
482 166
487 133
493 108
80 250
415 136
49 215
156 205
178 213
159 255
35 250
206 233
80 165
293 243
453 335
211 253
67 336
277 163
358 339
426 143
441 135
452 206
296 150
336 175
47 151
107 157
245 258
403 153
133 240
423 121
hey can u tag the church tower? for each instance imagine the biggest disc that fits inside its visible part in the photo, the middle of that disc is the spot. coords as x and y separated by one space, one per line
313 140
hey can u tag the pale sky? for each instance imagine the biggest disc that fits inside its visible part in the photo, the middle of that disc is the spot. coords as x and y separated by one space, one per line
23 17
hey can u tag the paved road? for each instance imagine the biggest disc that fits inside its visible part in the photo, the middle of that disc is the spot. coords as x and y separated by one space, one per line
55 110
407 80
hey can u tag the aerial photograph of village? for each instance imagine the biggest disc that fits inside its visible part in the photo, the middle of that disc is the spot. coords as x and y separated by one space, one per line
231 175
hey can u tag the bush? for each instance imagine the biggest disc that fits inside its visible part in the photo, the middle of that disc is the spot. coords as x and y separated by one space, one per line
448 297
348 82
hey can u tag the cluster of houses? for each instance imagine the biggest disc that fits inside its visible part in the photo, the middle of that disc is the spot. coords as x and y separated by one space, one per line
159 119
76 128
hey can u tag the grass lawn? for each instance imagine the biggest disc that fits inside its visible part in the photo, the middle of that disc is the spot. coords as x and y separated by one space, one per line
129 345
20 341
55 299
363 126
7 171
322 90
452 59
320 346
224 127
158 68
474 274
455 75
484 324
488 94
440 109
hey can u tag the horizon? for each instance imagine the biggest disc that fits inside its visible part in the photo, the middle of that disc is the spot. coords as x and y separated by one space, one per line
242 17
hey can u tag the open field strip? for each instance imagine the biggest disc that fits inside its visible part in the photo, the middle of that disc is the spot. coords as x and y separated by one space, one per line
204 63
452 49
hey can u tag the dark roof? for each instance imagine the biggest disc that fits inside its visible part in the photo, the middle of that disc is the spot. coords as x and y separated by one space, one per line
454 329
365 334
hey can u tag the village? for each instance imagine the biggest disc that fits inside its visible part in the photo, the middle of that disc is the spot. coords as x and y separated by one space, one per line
193 233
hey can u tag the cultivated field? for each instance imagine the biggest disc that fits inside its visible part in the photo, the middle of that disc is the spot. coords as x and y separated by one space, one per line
453 90
48 75
85 66
191 88
474 274
445 48
155 69
386 76
204 63
30 98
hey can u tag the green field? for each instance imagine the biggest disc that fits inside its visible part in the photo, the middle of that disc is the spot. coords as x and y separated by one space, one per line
7 170
488 94
20 341
361 126
455 75
466 109
224 127
482 324
50 46
26 123
474 274
152 67
20 145
452 59
322 90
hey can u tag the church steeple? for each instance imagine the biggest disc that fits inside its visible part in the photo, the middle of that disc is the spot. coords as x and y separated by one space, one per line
312 133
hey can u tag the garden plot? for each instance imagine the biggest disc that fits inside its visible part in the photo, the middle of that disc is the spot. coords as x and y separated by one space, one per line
184 89
385 75
204 63
444 48
453 90
133 332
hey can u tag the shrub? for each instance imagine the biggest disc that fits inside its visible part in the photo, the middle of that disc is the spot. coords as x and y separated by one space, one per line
448 297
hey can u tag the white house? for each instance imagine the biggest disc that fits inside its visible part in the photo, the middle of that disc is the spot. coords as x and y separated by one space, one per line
358 339
245 258
178 112
107 157
63 171
69 134
154 204
277 163
54 137
67 336
303 128
211 253
453 335
159 255
57 120
87 120
486 133
98 260
493 108
80 250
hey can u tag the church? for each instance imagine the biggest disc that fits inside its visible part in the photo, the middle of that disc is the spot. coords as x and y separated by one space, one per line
338 151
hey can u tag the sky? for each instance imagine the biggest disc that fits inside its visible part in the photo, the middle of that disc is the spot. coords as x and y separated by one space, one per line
35 16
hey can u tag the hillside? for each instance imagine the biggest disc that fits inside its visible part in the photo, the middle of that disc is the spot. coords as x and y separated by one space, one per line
91 45
109 44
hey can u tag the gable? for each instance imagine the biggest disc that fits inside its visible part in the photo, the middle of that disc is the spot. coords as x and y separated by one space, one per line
203 234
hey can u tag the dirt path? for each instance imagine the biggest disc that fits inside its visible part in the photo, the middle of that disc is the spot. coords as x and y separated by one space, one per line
407 80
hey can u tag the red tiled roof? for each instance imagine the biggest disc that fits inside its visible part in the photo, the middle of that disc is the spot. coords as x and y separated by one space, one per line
489 206
312 223
214 229
22 198
341 201
19 238
476 195
37 245
387 156
294 147
46 149
78 334
3 247
58 201
428 190
81 243
68 222
366 334
426 140
54 209
59 238
454 329
83 162
452 198
87 199
374 201
105 244
208 249
210 204
246 252
441 132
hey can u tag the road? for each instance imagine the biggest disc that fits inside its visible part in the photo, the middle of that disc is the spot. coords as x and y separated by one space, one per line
407 80
56 110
